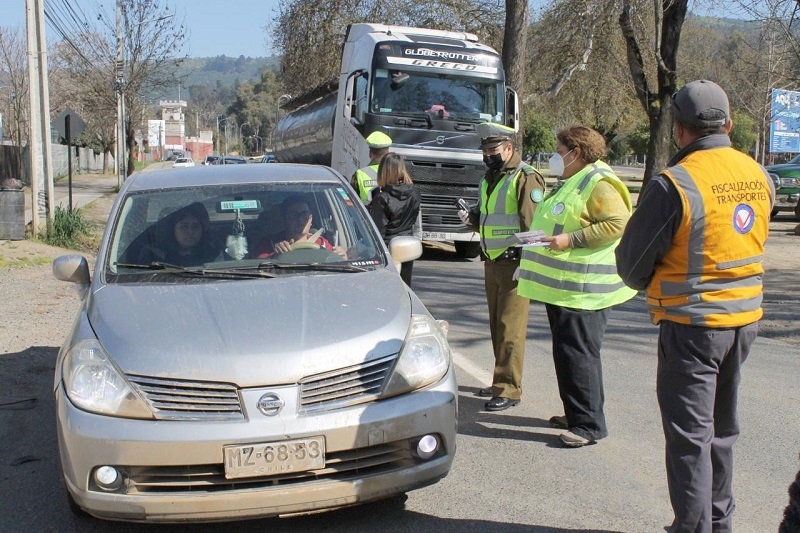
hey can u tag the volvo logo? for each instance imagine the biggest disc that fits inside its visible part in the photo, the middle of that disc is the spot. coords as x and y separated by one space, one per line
270 404
440 139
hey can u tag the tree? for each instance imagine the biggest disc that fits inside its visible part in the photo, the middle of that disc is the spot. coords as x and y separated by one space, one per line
14 83
152 41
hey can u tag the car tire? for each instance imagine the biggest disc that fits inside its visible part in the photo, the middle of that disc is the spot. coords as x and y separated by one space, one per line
468 250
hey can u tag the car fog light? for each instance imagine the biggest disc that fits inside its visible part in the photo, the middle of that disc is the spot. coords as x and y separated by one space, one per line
427 446
107 478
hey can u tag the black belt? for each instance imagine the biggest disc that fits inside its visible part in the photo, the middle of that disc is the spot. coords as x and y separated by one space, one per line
510 254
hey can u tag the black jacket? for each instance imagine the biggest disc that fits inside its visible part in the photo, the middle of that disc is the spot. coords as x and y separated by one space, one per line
394 210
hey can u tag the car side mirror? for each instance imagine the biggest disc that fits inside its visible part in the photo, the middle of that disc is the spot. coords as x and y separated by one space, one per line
74 269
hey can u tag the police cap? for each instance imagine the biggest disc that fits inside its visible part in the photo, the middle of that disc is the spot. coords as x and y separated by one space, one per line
492 134
378 140
701 103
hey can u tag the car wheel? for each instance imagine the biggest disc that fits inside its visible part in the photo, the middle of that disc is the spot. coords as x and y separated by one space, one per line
469 250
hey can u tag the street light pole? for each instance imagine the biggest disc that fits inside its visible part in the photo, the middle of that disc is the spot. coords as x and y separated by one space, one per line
118 83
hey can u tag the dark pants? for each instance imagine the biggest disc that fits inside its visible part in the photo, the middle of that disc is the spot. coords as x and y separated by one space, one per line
577 337
405 271
697 386
508 325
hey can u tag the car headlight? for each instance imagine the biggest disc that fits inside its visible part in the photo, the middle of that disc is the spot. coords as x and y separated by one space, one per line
424 359
93 383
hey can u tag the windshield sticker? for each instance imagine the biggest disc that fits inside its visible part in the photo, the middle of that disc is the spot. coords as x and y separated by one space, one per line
343 194
238 204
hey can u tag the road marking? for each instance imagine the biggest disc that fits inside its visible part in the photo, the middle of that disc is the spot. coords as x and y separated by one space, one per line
473 370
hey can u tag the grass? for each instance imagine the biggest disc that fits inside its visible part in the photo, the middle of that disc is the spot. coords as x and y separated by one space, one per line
66 229
20 263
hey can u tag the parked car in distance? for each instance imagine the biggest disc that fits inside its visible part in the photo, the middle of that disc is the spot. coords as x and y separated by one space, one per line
269 158
786 177
216 379
230 160
210 159
183 162
172 156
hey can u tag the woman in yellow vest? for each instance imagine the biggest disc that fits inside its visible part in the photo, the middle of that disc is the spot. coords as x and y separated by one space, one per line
573 272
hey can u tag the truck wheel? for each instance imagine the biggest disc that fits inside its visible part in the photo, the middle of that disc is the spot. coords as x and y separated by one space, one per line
469 250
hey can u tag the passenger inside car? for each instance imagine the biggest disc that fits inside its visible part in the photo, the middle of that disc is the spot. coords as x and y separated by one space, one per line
297 219
184 238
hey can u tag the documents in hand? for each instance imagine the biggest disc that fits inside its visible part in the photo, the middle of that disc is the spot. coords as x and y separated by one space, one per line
531 238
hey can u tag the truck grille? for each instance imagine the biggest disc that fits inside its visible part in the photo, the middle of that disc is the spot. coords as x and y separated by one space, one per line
445 173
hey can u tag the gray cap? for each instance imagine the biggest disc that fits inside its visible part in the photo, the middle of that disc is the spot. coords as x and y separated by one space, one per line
491 133
701 103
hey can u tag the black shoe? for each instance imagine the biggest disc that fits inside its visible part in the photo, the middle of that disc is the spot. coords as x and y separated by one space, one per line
558 422
484 393
498 403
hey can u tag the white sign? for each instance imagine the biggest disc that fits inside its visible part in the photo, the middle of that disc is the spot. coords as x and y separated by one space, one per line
156 133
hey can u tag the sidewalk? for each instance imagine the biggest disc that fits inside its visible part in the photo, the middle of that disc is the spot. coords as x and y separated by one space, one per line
86 188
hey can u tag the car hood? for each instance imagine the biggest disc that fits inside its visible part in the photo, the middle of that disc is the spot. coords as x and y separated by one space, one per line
251 332
785 167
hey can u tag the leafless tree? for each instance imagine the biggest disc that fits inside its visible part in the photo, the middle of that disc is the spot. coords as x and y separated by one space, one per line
14 100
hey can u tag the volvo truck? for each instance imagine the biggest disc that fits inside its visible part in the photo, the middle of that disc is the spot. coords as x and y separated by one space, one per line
426 89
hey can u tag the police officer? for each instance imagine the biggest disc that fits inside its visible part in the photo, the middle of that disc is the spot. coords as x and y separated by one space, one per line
365 179
509 193
695 243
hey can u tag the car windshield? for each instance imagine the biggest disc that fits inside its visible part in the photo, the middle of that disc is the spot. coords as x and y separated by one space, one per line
240 230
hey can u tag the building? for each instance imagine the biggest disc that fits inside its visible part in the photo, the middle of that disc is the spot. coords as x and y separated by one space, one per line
174 126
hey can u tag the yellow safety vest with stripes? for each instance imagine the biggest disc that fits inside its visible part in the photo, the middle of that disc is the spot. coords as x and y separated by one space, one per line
712 274
366 180
499 218
578 278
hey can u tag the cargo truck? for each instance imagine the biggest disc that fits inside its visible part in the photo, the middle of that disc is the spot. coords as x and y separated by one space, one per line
427 90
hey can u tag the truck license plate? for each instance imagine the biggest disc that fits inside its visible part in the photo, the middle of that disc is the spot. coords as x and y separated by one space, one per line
273 458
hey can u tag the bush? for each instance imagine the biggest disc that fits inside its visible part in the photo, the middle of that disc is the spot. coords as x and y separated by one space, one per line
66 228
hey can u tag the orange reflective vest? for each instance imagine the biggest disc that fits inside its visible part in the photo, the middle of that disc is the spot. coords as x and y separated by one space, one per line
712 274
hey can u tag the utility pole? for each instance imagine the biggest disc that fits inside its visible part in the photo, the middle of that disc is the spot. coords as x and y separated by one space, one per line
40 145
118 87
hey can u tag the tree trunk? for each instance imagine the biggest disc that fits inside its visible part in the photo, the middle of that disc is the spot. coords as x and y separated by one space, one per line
131 140
515 45
660 142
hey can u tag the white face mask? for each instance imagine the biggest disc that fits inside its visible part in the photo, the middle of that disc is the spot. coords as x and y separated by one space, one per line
556 163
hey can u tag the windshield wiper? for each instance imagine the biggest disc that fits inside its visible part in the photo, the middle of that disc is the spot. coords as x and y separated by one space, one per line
326 267
198 271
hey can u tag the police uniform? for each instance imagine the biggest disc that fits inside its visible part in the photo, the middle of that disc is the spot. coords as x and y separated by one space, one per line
365 179
508 199
695 243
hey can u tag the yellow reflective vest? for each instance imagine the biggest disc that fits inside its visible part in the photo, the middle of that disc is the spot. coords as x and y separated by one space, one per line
499 218
712 274
578 278
366 179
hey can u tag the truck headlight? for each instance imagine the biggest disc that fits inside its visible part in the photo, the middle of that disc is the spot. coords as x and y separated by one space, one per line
93 383
424 358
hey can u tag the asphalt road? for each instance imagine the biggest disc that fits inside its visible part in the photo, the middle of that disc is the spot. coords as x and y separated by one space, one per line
510 474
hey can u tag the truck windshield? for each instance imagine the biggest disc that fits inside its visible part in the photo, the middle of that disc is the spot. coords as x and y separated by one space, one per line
439 96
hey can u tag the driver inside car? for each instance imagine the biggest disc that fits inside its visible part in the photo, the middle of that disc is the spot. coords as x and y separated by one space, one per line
297 219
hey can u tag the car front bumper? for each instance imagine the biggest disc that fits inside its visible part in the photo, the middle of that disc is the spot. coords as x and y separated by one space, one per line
173 470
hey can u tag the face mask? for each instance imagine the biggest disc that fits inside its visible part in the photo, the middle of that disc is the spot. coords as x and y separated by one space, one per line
494 161
556 163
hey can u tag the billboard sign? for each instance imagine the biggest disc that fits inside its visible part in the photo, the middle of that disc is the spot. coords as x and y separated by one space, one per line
785 124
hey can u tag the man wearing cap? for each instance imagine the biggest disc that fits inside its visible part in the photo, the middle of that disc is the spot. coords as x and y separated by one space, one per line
695 242
509 193
365 179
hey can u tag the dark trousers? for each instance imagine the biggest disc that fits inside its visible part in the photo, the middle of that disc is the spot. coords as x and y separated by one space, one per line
697 386
577 337
508 325
405 271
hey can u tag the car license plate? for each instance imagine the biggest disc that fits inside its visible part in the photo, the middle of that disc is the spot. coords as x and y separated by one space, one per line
273 458
433 235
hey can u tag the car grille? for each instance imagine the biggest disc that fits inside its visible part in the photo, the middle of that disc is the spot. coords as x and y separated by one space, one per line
347 386
339 466
189 400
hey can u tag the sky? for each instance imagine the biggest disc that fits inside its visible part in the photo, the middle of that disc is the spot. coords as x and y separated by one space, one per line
218 27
